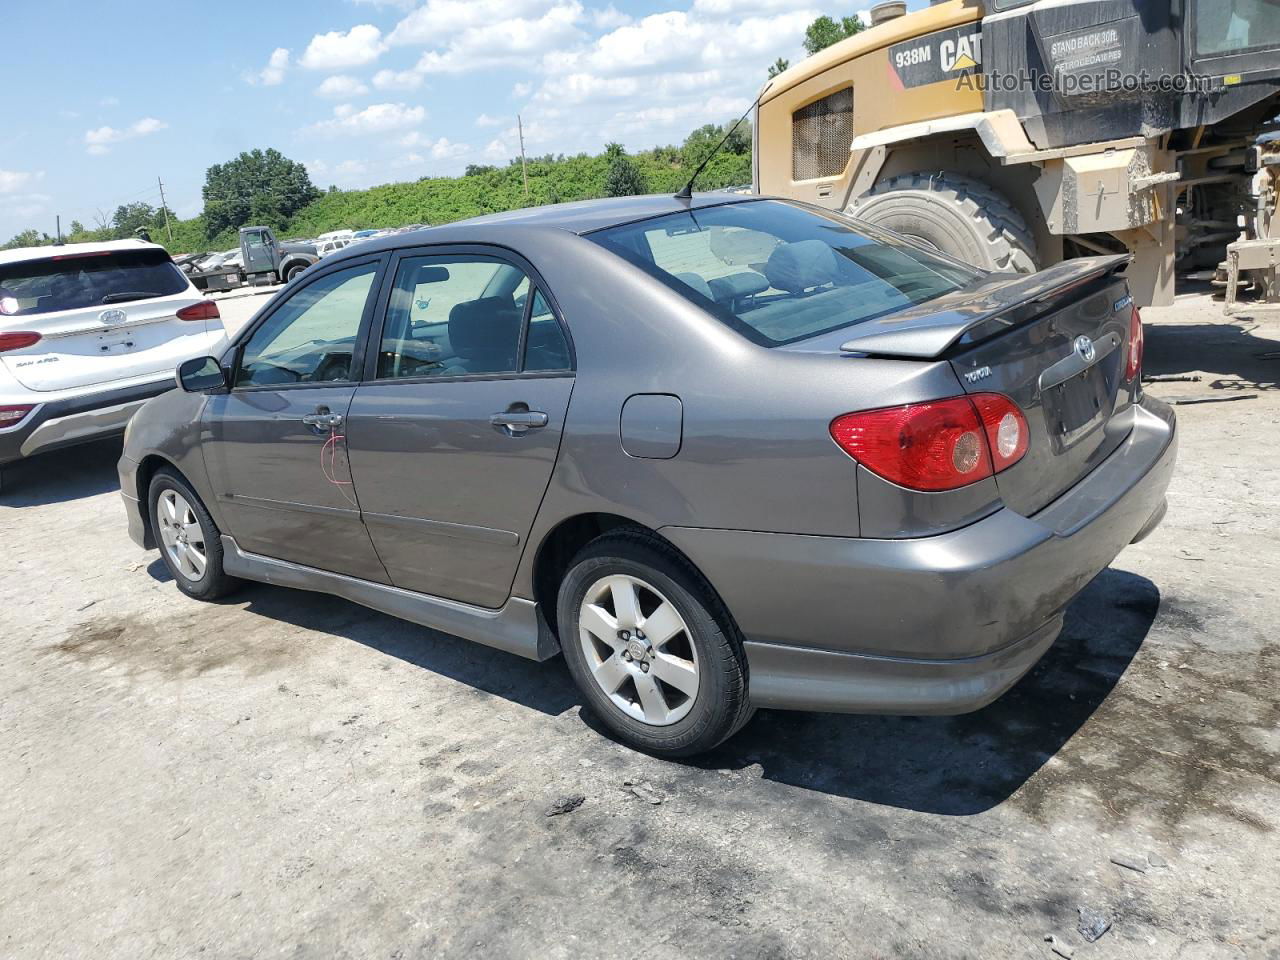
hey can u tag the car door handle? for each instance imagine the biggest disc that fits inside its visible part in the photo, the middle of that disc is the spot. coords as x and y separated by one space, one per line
519 421
326 421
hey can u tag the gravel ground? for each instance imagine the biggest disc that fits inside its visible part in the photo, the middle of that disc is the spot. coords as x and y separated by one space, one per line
289 774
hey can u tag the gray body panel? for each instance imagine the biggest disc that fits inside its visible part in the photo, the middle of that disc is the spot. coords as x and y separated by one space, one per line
809 550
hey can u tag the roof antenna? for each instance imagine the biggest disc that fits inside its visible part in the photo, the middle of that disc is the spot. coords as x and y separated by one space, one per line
686 192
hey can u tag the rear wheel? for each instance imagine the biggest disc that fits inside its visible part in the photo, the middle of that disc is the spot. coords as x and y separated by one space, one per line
190 543
651 647
959 216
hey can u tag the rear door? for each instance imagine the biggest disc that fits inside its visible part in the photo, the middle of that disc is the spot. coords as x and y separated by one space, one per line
454 434
102 316
274 444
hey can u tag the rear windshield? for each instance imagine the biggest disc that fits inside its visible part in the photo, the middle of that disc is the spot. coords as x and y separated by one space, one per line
87 280
777 272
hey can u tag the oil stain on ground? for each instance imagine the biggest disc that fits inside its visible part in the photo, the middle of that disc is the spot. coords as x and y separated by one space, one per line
178 647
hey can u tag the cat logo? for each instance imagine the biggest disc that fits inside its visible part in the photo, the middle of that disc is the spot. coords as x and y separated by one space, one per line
962 53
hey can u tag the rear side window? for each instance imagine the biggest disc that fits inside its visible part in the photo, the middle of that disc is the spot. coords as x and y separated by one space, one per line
778 272
79 281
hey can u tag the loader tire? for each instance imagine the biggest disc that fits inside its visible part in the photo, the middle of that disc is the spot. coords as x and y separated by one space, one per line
958 216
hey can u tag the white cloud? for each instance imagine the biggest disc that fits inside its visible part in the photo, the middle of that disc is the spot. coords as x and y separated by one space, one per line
510 41
272 75
337 50
522 89
397 80
341 86
609 18
350 168
437 20
99 141
23 206
441 149
376 118
484 120
11 181
109 102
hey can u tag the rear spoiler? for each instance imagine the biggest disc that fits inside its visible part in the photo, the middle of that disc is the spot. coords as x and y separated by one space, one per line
977 313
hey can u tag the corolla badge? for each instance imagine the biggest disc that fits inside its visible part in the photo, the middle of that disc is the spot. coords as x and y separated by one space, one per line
1084 347
111 317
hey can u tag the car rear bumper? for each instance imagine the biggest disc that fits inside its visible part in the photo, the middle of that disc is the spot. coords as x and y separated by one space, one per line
71 420
940 624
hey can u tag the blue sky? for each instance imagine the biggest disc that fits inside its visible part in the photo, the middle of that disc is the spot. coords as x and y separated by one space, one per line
362 91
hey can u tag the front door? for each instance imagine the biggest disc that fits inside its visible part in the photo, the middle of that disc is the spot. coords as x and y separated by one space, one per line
275 450
453 439
258 251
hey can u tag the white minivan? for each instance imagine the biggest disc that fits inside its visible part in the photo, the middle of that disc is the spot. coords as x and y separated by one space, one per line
88 333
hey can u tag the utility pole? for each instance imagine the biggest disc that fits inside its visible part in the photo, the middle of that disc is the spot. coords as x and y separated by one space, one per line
165 207
57 230
523 169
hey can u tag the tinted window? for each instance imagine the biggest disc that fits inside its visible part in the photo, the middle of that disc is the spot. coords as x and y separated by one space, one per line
545 346
87 280
1236 26
778 272
311 336
453 316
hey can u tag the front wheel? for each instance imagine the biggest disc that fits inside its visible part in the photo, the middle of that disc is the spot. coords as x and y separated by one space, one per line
190 543
651 647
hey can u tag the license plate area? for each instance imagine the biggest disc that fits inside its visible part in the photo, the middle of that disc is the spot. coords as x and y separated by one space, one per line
1076 407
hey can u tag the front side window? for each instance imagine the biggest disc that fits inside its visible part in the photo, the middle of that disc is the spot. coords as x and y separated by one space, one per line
463 315
311 337
778 272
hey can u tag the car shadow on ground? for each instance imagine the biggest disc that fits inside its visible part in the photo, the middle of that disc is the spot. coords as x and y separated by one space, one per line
1242 359
953 766
62 475
544 687
962 765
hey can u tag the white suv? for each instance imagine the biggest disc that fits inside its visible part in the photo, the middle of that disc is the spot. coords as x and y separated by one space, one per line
88 333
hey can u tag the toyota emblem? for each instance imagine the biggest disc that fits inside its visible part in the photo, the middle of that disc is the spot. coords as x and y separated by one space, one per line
1084 347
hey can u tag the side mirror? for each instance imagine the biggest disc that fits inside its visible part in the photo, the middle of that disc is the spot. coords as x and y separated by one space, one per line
201 375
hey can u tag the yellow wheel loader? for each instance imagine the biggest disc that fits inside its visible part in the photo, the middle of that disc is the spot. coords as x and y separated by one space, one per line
1016 133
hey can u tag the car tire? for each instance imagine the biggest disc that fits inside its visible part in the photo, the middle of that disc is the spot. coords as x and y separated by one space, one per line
959 216
178 518
655 705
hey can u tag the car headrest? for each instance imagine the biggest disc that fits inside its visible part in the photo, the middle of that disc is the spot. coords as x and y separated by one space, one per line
796 267
488 328
696 282
738 285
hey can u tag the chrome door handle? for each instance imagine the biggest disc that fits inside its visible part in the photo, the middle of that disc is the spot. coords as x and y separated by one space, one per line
326 421
519 421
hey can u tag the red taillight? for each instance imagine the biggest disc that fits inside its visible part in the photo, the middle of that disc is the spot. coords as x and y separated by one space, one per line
1006 428
938 445
12 415
1136 344
18 339
204 310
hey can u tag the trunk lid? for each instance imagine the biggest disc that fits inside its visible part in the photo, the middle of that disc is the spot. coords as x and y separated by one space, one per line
1055 342
94 328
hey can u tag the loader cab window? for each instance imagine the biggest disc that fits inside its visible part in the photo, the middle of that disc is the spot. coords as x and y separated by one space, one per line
1226 27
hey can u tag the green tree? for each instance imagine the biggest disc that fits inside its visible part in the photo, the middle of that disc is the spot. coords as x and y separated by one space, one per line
29 238
778 66
262 186
130 216
824 31
623 178
699 144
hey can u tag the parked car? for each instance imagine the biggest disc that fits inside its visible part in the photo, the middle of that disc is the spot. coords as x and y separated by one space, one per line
723 453
88 333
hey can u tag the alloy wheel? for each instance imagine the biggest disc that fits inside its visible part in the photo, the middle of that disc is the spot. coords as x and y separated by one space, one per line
182 535
639 650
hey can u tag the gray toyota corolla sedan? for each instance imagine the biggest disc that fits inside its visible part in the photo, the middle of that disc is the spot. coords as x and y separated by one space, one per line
723 453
